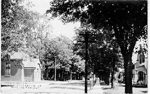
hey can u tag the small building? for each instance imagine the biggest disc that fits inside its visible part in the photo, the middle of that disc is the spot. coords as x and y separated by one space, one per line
140 68
19 67
32 70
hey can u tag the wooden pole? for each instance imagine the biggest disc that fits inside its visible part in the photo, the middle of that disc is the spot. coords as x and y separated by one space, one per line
86 37
55 68
86 56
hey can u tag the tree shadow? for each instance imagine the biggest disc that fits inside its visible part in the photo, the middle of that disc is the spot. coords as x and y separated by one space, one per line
103 83
75 84
81 83
6 85
140 86
135 86
69 88
106 88
144 91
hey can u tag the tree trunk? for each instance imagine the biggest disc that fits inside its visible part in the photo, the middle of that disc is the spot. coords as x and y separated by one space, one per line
42 74
71 75
46 72
128 74
61 75
127 45
112 74
112 79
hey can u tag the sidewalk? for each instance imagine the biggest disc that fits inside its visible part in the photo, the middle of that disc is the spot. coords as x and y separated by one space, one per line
97 89
119 89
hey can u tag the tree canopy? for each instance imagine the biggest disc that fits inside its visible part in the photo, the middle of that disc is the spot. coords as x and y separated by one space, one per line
17 24
122 17
127 20
27 31
103 53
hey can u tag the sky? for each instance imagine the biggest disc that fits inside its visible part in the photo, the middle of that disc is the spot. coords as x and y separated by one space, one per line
58 27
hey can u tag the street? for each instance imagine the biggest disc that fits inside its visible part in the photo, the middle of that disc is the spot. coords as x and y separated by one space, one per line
60 87
71 87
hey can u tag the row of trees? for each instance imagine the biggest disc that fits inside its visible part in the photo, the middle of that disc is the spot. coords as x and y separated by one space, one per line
28 31
126 20
103 53
60 52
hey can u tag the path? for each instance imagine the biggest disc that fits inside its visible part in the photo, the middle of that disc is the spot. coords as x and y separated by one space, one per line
97 89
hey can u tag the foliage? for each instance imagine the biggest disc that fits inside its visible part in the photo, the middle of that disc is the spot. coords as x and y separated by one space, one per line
128 20
59 48
99 52
23 30
17 23
78 65
120 16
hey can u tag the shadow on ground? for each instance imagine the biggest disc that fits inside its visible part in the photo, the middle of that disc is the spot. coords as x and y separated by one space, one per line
68 88
144 91
81 83
106 88
135 86
140 86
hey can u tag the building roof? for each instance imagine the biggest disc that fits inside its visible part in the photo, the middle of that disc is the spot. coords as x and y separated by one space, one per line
27 61
31 63
18 55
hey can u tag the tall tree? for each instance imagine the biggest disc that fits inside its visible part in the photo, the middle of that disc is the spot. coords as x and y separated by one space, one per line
60 49
17 24
103 53
127 19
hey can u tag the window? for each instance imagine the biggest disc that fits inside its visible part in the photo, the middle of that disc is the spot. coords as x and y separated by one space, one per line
7 68
141 76
142 58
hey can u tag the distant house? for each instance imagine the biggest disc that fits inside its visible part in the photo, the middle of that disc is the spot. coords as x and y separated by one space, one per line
140 68
140 76
120 77
19 67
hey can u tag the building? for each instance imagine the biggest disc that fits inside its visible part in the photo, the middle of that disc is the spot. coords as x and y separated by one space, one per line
19 67
140 68
120 75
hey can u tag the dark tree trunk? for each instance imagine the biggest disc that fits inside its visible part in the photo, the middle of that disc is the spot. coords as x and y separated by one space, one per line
46 72
42 75
71 75
112 79
128 74
61 75
127 45
112 74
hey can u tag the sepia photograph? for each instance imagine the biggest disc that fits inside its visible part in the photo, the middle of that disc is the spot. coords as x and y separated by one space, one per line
74 47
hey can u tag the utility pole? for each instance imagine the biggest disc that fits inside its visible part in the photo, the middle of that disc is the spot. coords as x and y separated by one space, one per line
86 37
55 68
86 56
